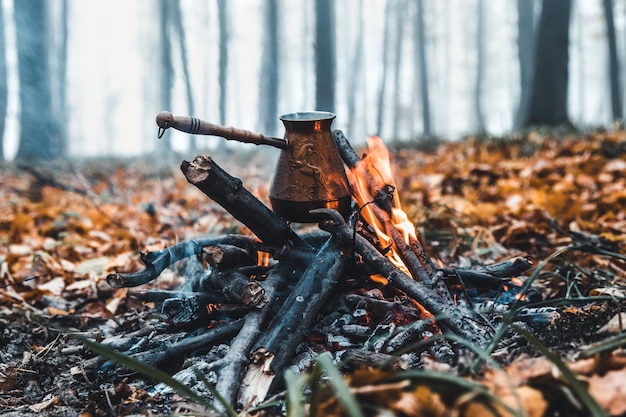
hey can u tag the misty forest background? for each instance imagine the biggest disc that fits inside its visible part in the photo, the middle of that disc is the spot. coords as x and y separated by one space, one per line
88 78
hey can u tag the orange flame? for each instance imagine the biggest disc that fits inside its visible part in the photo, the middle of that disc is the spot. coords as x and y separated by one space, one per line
370 175
263 258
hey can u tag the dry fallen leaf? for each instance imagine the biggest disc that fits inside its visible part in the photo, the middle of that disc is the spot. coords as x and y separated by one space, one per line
609 391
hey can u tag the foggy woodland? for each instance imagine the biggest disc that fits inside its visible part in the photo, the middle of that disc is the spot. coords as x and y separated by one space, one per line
88 78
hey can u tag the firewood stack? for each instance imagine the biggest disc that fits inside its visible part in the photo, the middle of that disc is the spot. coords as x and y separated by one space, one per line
339 289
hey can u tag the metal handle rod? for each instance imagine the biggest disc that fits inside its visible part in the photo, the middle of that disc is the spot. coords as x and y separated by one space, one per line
195 126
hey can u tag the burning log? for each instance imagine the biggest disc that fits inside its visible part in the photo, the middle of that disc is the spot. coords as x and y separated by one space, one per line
465 325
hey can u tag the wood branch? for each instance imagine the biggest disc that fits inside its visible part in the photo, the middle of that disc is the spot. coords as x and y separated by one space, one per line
230 193
278 344
241 290
303 303
238 293
350 158
409 258
228 256
186 311
156 355
156 262
410 334
158 296
238 355
412 253
360 358
463 323
486 276
176 352
507 269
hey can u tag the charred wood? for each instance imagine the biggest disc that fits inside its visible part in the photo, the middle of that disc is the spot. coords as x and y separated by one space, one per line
187 311
485 276
380 309
346 151
147 345
409 258
407 336
234 285
360 358
463 323
506 269
228 256
198 344
156 262
238 356
303 303
278 344
159 296
230 193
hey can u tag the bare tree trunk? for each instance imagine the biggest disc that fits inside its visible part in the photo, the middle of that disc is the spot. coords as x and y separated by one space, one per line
614 67
222 17
480 65
420 42
356 73
167 68
385 60
525 40
37 120
397 85
325 55
4 92
270 70
548 94
177 21
58 18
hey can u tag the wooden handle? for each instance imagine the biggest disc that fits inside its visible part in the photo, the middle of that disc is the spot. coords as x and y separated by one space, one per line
196 126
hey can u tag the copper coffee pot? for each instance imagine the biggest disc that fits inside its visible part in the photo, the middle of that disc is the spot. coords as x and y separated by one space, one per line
309 173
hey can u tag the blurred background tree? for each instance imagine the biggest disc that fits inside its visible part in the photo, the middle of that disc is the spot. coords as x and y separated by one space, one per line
85 79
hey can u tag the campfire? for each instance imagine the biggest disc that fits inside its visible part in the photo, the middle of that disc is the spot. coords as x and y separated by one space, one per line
362 286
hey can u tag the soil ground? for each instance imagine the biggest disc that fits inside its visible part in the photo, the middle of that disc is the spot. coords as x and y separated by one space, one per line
64 226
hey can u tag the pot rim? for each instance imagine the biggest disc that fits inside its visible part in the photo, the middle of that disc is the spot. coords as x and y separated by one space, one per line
307 116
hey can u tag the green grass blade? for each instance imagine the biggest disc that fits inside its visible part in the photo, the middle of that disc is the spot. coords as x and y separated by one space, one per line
608 344
295 393
227 406
345 397
510 316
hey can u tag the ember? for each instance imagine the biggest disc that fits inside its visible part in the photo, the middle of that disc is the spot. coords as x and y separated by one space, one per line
362 283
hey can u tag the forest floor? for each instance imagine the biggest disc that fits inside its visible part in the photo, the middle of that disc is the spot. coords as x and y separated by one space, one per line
559 200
